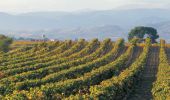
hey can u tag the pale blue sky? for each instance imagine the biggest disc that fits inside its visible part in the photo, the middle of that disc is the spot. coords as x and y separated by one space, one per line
21 6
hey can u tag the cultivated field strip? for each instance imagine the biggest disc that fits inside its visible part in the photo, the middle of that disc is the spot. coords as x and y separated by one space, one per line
167 49
133 56
94 74
104 49
36 50
28 59
86 70
74 71
15 53
23 51
85 53
143 89
117 87
136 53
45 59
161 87
35 65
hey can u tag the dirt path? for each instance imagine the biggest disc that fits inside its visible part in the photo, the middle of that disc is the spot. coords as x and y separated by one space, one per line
134 56
168 54
143 89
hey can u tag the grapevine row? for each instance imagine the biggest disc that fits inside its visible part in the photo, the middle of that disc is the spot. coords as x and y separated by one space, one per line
68 86
40 72
161 87
36 50
104 49
74 71
66 45
118 86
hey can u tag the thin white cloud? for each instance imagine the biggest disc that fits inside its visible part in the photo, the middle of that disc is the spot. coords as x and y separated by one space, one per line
72 5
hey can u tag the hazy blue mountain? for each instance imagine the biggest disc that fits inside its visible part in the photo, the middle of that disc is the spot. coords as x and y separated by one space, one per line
106 31
88 24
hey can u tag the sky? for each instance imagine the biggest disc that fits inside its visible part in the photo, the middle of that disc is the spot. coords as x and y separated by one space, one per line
23 6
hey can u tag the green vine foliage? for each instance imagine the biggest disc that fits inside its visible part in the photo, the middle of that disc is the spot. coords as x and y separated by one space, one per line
161 87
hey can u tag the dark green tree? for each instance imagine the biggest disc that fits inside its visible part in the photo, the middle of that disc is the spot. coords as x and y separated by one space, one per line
5 43
141 31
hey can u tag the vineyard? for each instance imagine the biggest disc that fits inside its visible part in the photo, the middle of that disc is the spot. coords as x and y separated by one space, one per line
86 70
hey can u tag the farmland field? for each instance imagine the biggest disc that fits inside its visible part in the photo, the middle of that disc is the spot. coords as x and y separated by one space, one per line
89 70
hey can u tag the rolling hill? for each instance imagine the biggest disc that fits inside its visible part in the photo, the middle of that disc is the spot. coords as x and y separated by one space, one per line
88 24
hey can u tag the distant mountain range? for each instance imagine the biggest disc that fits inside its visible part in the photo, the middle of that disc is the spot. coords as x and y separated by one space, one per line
88 24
